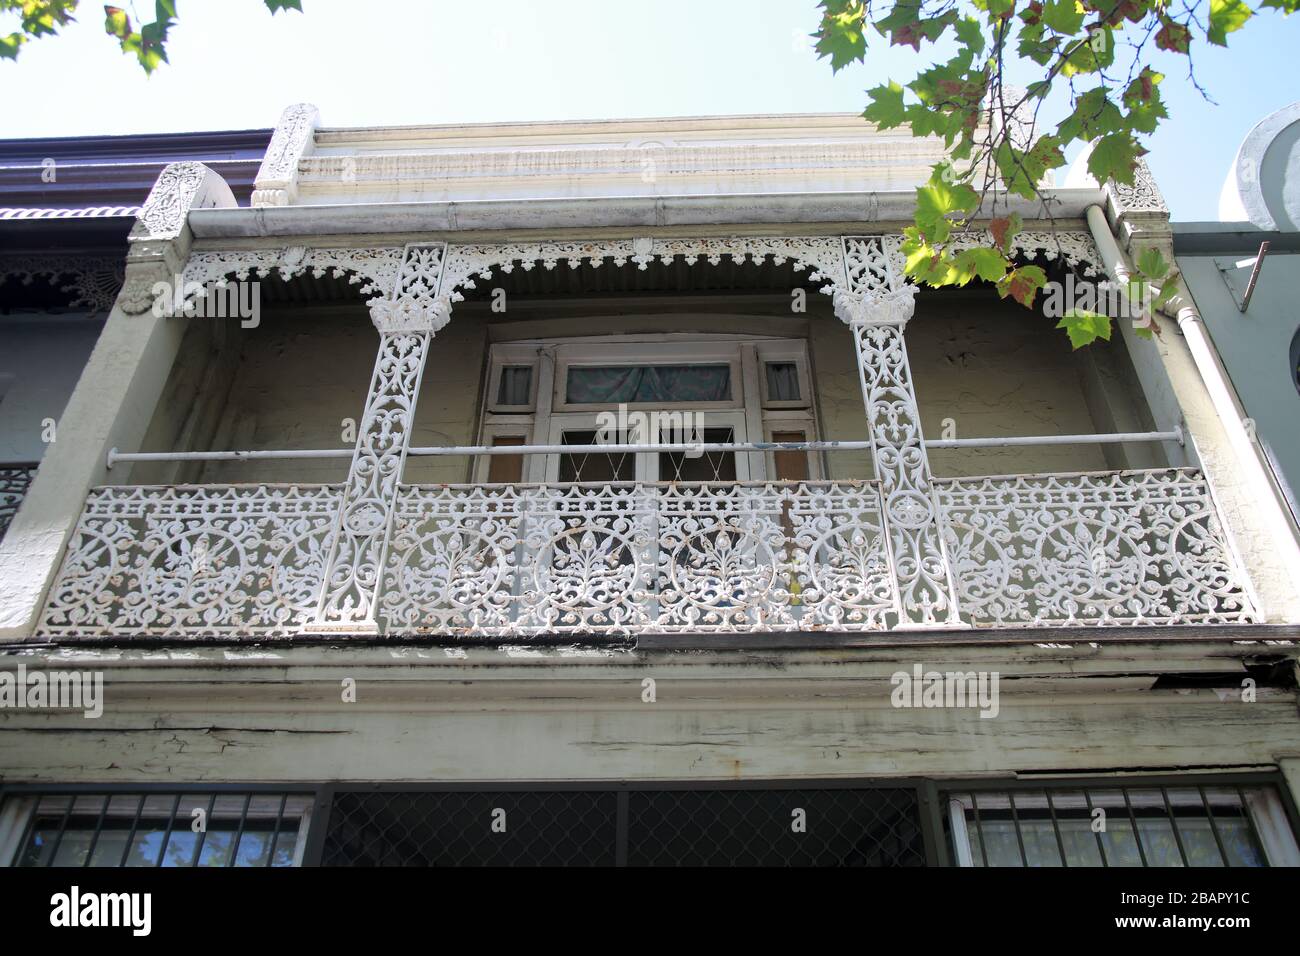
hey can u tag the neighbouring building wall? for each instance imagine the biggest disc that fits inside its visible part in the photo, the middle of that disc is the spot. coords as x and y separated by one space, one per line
1259 348
41 358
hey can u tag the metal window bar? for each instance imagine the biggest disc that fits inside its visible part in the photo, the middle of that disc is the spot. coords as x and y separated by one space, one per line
1173 824
135 826
239 832
167 835
203 833
979 827
99 828
1137 835
1020 836
1101 846
1056 828
275 834
1214 826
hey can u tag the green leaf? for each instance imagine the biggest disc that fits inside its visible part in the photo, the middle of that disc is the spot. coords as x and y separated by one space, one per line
1114 157
1287 7
1167 290
1084 327
970 32
1226 16
1152 264
275 6
983 262
886 109
939 199
840 35
1063 16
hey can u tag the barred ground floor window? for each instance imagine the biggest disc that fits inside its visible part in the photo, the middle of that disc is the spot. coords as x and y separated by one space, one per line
1167 821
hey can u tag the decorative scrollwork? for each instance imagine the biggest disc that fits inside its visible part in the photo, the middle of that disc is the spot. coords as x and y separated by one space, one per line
1141 547
374 269
627 559
91 281
467 263
194 560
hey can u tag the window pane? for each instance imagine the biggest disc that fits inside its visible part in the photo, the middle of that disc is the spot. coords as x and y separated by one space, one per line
707 466
782 382
516 385
597 466
614 384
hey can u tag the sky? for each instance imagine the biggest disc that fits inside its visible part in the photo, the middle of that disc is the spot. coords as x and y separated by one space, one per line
396 62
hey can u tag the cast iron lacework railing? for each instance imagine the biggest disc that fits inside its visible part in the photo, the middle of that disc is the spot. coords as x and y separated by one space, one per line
1139 547
14 481
619 559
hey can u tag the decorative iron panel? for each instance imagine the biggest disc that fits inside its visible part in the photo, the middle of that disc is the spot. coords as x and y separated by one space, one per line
1107 548
195 559
623 559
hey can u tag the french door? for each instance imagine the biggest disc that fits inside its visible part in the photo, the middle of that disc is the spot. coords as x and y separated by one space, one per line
584 430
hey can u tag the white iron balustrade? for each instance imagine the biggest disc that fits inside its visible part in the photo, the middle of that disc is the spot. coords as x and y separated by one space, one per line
223 560
624 559
1139 547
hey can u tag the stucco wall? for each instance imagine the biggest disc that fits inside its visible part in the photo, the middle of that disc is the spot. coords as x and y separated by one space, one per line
291 382
995 370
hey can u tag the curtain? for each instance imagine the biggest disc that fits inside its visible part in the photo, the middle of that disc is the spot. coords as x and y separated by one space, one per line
615 384
782 382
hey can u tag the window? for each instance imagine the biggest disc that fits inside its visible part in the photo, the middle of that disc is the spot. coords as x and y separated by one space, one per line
154 829
555 392
515 386
512 380
782 382
631 384
1165 826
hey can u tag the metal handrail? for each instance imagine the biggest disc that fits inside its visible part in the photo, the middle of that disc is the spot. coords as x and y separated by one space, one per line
1174 435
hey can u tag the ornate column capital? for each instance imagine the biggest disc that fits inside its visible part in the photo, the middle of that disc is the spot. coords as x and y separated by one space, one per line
406 315
294 138
890 308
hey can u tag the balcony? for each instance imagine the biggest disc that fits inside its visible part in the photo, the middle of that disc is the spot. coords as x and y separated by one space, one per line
850 492
575 560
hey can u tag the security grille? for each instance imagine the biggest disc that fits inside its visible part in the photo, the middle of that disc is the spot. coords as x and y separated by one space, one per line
1158 826
463 828
715 827
774 828
153 829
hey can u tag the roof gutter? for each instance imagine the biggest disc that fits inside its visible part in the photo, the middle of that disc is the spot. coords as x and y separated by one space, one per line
613 212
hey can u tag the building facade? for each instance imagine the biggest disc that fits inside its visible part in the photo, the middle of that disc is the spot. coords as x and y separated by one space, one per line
603 493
